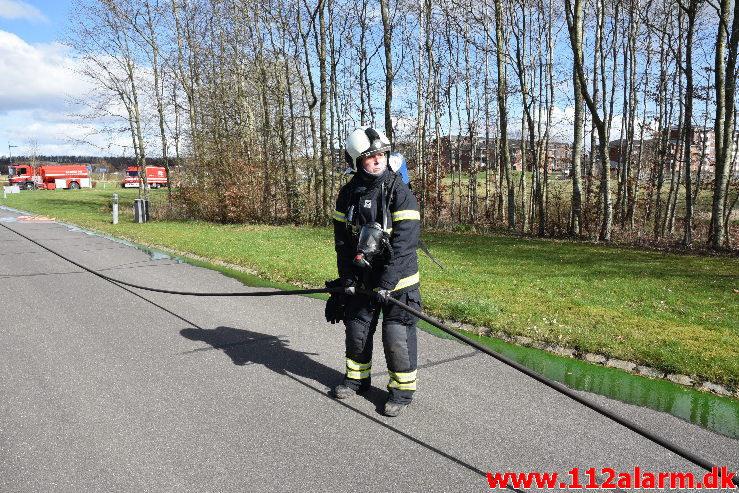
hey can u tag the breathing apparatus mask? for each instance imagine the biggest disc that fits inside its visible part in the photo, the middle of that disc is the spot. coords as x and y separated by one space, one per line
373 243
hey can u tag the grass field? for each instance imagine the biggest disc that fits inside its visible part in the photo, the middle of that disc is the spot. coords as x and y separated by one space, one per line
676 313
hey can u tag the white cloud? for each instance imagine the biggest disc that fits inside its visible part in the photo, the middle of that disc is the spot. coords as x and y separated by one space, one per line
15 9
37 86
563 125
38 76
60 138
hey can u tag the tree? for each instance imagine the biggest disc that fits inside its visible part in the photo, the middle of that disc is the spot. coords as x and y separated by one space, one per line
387 43
577 145
505 157
103 36
725 73
691 10
600 124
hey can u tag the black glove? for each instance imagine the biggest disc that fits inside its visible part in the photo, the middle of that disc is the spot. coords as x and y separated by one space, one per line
382 295
334 310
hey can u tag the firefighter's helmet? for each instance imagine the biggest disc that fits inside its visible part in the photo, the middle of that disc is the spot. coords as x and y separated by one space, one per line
363 142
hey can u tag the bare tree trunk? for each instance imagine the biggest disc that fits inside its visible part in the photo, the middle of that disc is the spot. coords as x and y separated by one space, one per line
605 233
489 156
629 185
503 112
158 94
135 111
633 202
724 124
668 226
730 204
691 12
577 145
604 127
321 48
387 38
436 102
187 74
665 116
457 213
422 92
471 211
549 103
365 105
521 67
312 102
333 106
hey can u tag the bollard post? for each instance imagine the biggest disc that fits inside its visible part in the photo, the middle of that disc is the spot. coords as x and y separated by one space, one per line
115 208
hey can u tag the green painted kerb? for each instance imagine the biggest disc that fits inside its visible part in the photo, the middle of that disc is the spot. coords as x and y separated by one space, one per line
716 413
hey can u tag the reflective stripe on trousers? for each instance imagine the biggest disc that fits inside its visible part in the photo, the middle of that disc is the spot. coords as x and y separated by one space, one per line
357 371
402 381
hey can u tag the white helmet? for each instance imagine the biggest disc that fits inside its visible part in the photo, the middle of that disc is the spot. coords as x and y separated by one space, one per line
363 142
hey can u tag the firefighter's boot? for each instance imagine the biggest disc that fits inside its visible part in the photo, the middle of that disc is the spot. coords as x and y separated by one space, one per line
342 391
393 409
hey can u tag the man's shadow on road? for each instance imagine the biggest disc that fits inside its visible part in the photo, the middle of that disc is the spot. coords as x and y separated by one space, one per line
246 347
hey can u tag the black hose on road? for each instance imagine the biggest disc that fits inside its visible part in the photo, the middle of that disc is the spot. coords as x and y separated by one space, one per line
686 454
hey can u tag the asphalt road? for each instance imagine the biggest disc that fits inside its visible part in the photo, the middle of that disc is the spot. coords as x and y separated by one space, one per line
109 389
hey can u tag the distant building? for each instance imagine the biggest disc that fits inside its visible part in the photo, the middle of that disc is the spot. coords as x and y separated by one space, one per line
458 151
619 149
557 157
702 149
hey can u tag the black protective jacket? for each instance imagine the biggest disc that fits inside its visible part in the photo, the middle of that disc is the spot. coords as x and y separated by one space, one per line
397 272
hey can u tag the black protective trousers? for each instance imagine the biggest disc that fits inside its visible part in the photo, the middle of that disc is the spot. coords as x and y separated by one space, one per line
398 339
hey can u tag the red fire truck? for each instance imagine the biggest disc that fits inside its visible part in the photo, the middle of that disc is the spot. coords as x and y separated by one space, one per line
21 175
49 177
156 176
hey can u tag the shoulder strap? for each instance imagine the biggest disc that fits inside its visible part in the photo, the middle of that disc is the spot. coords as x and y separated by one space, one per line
386 198
391 188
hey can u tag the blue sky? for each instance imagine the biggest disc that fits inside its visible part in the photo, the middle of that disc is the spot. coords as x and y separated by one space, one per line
37 81
34 21
37 84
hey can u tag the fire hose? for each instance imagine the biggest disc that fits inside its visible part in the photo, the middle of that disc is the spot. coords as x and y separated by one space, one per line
672 447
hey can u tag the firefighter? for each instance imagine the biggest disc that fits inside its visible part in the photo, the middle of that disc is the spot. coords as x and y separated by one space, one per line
376 231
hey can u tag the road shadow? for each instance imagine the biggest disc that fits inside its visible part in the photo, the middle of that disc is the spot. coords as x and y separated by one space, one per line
246 347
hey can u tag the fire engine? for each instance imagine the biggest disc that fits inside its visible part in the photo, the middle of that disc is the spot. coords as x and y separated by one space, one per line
49 177
21 175
156 176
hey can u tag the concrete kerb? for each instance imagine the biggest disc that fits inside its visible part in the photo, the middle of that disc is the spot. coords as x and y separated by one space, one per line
599 359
